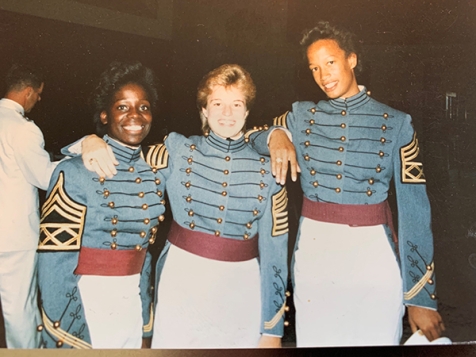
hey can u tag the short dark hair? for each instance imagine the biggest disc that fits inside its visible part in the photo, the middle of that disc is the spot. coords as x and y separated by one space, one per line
116 76
325 31
20 76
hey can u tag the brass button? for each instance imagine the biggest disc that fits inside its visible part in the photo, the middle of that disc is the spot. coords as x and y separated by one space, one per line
219 220
56 324
162 202
313 110
343 126
262 171
307 143
224 193
433 296
384 127
260 198
141 194
138 180
371 181
217 233
145 206
59 344
154 170
192 147
146 221
338 162
381 154
315 184
369 93
130 169
286 308
286 323
308 131
246 236
221 208
430 281
339 176
312 121
288 294
111 204
188 199
191 213
188 170
151 240
192 225
189 160
160 193
157 181
106 193
224 184
161 218
114 220
341 148
143 234
227 158
369 193
113 246
255 212
428 267
378 169
313 172
385 115
226 172
138 248
102 179
306 157
383 140
39 328
262 185
114 233
262 160
338 190
188 184
248 225
247 140
153 229
343 112
342 138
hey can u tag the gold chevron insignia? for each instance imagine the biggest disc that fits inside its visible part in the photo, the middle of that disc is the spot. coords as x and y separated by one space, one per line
280 213
268 325
412 168
281 120
62 220
158 156
408 295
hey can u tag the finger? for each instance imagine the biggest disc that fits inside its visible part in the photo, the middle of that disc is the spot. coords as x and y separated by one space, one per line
294 168
112 156
284 172
94 166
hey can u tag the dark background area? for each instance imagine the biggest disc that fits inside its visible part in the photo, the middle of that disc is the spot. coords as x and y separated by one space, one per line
418 57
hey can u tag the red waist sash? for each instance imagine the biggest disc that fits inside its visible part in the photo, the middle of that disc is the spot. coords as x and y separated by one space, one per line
213 247
352 215
108 262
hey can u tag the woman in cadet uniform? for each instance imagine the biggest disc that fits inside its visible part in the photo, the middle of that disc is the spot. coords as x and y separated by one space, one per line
222 273
94 269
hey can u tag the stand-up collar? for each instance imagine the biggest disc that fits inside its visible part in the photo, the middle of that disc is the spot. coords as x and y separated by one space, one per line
225 145
123 153
351 102
11 104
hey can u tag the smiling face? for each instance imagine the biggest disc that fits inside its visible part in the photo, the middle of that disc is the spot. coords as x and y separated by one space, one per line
332 70
129 118
226 111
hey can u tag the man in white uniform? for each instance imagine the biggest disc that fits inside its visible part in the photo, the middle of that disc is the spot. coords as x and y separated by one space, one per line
24 167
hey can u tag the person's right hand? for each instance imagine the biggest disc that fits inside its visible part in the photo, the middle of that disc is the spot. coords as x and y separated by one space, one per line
98 156
282 151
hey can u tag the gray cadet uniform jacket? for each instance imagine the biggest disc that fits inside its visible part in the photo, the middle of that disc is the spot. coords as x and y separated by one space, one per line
86 214
349 150
224 188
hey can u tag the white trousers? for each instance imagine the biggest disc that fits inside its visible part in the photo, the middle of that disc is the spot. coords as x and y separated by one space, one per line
112 308
18 295
348 287
205 303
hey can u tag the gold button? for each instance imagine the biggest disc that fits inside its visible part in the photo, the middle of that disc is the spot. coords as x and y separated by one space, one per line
141 194
56 324
146 221
306 157
338 190
286 308
341 148
161 218
378 168
369 92
191 213
313 110
154 170
433 296
248 225
262 185
430 281
224 193
193 147
286 323
188 184
143 234
227 158
385 115
188 199
111 204
106 193
262 171
428 267
315 184
162 202
255 212
224 184
343 126
384 127
138 180
369 193
102 179
189 160
113 246
130 169
219 220
307 143
288 294
114 233
59 344
247 140
383 140
381 154
312 121
338 162
39 328
221 208
188 170
160 193
342 138
217 233
371 181
153 229
260 198
313 172
262 159
192 225
151 241
145 206
246 236
114 220
226 172
343 112
339 176
308 131
157 181
138 248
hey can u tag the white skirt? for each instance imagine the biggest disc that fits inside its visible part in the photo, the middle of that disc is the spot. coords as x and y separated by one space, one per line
348 287
113 310
205 303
